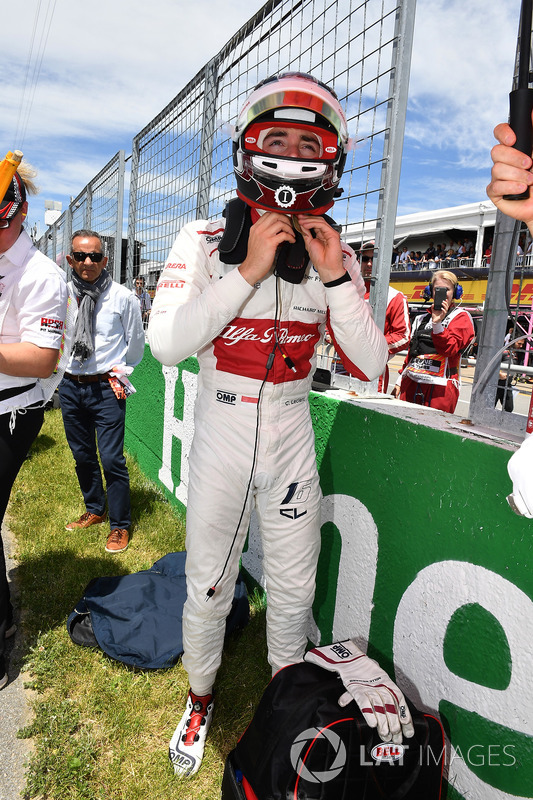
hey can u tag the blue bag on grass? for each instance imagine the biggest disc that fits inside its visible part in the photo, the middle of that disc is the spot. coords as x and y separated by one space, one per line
137 619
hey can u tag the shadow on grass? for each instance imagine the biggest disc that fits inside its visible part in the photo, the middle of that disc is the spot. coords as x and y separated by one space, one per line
42 443
50 585
145 500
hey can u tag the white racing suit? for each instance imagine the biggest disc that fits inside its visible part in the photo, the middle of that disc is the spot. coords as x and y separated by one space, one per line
206 307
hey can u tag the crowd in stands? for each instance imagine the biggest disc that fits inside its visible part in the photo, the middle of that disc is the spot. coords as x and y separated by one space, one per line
438 256
442 256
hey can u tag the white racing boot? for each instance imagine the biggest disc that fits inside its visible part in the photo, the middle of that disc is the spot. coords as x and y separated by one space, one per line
186 747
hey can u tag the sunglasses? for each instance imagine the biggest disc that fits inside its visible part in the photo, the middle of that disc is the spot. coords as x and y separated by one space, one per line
5 223
95 257
366 259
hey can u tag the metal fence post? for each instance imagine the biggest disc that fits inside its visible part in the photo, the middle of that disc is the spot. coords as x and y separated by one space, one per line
495 315
208 132
132 212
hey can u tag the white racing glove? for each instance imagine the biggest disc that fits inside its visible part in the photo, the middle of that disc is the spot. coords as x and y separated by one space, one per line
520 469
381 702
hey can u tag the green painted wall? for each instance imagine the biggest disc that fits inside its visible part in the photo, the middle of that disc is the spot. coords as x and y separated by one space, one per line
421 555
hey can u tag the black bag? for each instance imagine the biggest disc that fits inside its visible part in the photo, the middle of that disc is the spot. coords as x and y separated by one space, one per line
301 745
137 618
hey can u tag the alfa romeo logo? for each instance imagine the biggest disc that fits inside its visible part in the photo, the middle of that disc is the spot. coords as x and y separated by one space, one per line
285 196
301 745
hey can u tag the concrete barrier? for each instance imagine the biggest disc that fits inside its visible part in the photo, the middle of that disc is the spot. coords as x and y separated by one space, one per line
421 558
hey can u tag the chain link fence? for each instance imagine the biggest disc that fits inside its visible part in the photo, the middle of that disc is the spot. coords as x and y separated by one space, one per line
182 166
99 207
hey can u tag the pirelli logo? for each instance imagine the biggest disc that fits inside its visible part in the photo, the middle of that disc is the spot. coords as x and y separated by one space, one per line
229 398
171 284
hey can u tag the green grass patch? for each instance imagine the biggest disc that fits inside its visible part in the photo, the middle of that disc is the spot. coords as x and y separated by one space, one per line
101 729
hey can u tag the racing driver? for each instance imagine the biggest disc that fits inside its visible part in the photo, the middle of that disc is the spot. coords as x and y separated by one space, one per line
254 310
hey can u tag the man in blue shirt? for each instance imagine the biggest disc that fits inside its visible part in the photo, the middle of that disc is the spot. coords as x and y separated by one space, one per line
108 334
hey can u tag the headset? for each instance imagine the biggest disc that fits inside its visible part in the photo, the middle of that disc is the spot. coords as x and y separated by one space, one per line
427 292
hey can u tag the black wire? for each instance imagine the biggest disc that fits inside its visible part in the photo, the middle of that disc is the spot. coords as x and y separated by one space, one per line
269 364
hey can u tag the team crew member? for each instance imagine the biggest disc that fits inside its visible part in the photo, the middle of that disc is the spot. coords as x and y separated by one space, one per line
256 336
430 374
397 325
108 338
33 307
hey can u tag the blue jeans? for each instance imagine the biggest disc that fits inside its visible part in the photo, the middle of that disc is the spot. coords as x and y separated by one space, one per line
94 417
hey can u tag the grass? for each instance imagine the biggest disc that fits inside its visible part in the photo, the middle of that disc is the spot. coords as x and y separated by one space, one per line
101 729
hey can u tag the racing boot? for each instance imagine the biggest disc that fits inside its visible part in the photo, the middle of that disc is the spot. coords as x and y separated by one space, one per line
186 747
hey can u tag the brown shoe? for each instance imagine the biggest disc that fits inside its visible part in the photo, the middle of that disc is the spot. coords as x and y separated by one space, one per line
117 541
86 520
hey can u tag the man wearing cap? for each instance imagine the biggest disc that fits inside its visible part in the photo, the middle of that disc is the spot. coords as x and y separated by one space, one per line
33 308
108 340
397 324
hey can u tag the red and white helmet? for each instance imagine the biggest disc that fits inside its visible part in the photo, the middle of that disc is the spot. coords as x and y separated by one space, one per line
285 184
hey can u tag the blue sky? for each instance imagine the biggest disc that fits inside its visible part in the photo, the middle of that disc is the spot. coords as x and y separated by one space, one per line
107 72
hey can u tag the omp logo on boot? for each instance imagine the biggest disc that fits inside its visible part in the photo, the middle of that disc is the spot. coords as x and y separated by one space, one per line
303 744
181 761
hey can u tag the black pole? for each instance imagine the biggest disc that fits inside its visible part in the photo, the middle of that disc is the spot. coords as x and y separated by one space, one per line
521 97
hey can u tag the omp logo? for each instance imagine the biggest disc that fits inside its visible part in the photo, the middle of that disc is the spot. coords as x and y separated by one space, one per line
303 744
183 762
386 751
341 651
226 397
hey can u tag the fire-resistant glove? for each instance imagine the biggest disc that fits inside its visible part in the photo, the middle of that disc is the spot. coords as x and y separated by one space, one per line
381 702
520 469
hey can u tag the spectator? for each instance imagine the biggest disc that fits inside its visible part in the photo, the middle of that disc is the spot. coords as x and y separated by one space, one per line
108 341
430 374
143 297
430 252
33 307
395 258
258 448
397 325
404 258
